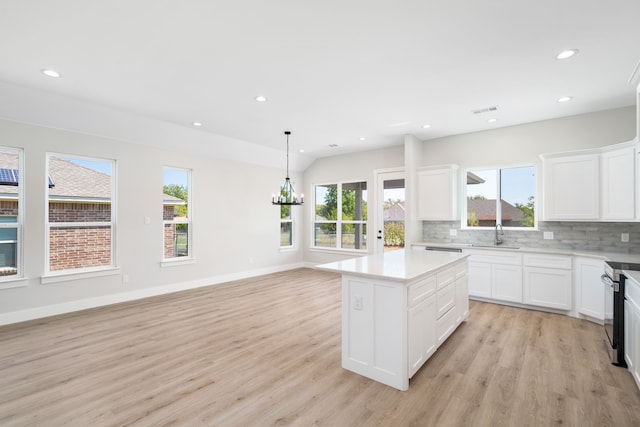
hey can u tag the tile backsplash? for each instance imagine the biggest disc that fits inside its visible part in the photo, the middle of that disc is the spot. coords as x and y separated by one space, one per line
590 236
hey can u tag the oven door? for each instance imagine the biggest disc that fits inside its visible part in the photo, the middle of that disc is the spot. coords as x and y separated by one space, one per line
608 308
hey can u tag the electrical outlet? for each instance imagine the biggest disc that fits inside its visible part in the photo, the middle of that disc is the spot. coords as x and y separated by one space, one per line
624 237
147 220
125 278
548 235
453 232
357 302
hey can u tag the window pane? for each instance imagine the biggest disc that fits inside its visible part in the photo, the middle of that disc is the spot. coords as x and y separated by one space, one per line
482 189
325 235
354 201
8 251
285 212
176 240
517 193
286 234
354 236
79 247
326 202
175 188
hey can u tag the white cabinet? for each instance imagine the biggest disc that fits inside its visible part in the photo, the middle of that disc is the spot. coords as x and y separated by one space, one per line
547 281
496 275
632 329
422 333
437 193
571 187
462 294
618 183
589 288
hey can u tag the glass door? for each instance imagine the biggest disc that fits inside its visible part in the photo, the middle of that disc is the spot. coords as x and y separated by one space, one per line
390 218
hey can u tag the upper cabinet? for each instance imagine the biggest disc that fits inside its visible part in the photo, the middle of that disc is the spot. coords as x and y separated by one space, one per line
594 185
438 193
571 187
618 184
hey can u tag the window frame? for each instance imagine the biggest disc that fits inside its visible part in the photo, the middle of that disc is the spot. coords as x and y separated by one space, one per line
339 222
188 221
112 224
290 221
498 169
19 223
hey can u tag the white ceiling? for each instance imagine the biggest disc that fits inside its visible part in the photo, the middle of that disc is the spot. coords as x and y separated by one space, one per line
333 71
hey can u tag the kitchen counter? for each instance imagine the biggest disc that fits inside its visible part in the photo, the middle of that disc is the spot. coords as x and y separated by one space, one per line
397 309
606 256
401 266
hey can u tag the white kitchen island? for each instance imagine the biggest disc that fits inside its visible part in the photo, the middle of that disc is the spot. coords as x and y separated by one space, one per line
397 309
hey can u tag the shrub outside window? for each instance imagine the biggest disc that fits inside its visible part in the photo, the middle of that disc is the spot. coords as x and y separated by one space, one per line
176 213
503 196
341 216
286 227
80 213
11 203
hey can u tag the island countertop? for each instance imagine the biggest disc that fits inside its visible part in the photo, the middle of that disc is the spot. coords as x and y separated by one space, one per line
402 265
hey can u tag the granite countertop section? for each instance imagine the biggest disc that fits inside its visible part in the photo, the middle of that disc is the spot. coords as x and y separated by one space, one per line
606 256
402 266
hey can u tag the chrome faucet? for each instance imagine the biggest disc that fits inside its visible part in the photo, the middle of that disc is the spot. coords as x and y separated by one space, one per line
499 234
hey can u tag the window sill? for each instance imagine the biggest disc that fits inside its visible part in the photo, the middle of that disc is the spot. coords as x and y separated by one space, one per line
288 249
505 229
176 262
14 282
78 275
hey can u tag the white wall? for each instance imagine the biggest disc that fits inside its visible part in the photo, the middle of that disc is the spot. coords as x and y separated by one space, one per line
348 167
236 229
524 143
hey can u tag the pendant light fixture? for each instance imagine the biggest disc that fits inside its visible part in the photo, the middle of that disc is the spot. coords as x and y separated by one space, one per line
287 196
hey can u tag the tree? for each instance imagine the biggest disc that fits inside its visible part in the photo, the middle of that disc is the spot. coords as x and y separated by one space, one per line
528 210
180 192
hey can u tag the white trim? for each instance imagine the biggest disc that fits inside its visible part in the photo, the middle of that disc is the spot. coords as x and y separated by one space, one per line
71 306
13 282
173 262
67 275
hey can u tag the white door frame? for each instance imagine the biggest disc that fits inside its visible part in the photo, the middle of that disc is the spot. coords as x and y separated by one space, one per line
382 175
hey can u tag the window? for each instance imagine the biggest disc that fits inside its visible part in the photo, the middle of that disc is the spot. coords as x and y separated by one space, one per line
286 227
176 212
341 216
11 203
503 196
80 213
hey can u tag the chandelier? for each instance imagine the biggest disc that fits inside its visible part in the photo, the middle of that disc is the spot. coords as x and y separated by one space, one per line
287 196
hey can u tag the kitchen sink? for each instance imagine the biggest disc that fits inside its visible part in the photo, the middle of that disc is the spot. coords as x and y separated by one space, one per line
496 247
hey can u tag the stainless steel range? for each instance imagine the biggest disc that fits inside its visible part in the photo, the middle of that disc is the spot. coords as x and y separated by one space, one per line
614 282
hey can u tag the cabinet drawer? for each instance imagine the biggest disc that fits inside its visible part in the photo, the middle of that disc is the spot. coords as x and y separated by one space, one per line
420 290
446 277
497 257
461 270
446 325
548 261
445 299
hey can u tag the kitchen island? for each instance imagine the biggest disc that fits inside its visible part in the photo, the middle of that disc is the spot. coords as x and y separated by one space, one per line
397 309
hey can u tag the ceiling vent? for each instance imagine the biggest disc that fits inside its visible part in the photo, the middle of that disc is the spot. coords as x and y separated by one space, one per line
333 145
485 110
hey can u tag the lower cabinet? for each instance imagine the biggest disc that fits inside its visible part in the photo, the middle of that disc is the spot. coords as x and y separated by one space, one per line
632 329
590 293
507 282
421 333
496 275
547 281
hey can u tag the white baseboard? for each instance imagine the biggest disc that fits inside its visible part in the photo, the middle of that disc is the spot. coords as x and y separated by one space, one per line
71 306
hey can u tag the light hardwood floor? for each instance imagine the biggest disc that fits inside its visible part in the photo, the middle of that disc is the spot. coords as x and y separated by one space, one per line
266 351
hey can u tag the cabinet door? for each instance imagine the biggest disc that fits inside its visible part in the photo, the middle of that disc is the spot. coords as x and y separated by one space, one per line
479 279
507 282
422 338
571 186
547 287
618 189
589 288
632 339
437 194
462 299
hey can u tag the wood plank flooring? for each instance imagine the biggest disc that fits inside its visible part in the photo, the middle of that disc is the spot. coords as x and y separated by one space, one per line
266 352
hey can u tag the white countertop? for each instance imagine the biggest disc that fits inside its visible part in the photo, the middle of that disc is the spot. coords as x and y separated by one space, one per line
635 275
606 256
403 265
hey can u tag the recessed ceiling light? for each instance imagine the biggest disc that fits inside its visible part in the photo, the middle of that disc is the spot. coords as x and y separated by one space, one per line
261 98
302 150
197 124
362 138
565 99
50 73
492 120
426 126
567 54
